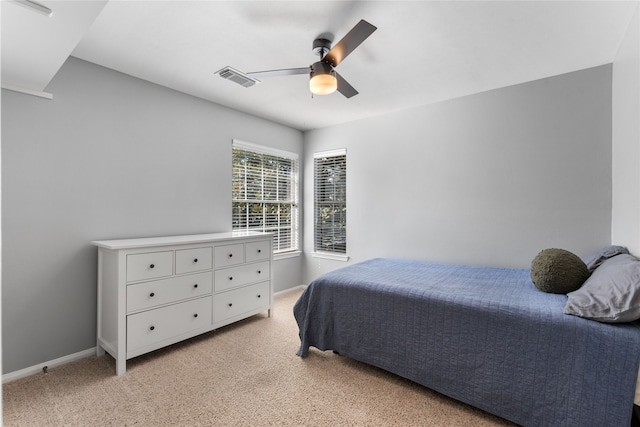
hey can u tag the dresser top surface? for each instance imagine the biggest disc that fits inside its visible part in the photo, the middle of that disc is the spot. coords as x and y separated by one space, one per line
176 240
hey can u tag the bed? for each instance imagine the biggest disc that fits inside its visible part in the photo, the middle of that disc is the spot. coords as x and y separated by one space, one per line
482 335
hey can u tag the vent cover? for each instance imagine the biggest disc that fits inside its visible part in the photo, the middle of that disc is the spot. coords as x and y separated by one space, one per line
237 76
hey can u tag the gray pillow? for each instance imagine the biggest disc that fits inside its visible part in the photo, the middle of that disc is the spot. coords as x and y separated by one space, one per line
594 260
558 271
611 294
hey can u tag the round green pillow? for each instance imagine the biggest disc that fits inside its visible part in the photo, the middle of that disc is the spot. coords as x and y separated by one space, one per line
558 271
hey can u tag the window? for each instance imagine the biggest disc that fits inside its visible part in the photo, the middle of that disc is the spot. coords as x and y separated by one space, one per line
265 188
330 190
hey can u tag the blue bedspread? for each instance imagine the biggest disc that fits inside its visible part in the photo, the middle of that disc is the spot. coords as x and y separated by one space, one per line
482 335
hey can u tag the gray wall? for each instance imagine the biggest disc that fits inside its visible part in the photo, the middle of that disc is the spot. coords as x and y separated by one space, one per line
110 156
491 178
625 224
486 179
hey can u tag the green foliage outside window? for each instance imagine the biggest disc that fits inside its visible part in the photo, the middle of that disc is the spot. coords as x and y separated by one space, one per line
331 203
263 196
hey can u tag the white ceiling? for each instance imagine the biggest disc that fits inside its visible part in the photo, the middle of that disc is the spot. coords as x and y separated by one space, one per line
422 52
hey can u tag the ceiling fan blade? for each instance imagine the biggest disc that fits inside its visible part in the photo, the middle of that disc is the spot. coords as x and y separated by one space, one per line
352 40
345 88
278 73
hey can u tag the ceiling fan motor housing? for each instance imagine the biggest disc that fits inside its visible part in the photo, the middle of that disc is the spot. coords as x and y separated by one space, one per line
321 47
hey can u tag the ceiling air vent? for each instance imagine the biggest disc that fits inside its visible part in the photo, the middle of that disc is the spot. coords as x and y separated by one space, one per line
237 76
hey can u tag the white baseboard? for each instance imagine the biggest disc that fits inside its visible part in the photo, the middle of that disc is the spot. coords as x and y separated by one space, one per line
286 291
32 370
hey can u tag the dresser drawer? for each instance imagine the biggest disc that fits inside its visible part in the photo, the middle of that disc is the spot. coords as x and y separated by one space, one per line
192 260
153 326
242 275
146 295
228 255
238 301
149 265
257 251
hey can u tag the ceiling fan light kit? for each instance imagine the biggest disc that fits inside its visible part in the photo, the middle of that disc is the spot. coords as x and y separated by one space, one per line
323 78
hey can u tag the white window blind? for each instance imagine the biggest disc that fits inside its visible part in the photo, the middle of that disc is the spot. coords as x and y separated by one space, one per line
330 190
265 188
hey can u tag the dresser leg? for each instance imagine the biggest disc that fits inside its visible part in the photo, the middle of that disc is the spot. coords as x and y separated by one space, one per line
99 350
121 367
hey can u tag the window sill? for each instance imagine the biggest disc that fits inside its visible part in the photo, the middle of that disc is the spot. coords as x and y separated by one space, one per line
334 257
285 255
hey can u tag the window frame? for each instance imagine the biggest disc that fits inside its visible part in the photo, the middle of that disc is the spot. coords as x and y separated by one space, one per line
319 252
256 149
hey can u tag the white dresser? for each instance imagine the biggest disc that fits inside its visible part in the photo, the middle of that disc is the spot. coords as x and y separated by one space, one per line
153 292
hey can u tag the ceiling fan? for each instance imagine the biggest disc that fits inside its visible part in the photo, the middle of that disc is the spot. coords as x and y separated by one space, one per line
323 78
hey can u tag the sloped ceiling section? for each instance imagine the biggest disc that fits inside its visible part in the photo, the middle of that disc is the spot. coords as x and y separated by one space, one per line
35 45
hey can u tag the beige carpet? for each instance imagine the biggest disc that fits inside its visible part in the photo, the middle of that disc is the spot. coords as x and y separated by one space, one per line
246 374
